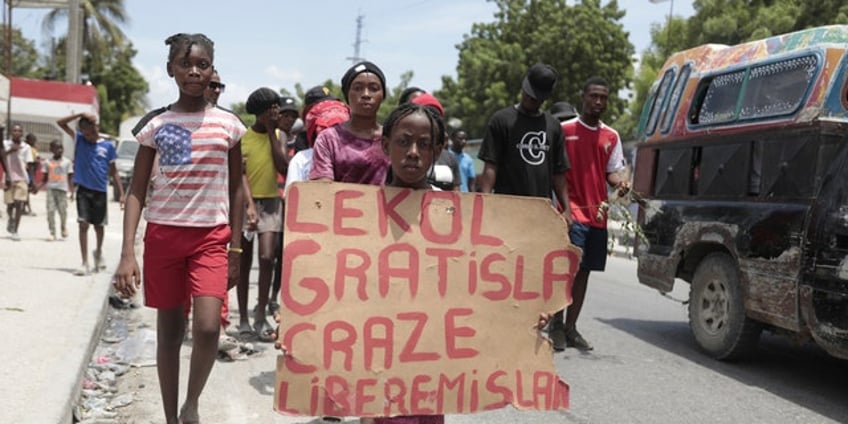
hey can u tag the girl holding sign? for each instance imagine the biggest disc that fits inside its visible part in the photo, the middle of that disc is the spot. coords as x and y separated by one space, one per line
413 137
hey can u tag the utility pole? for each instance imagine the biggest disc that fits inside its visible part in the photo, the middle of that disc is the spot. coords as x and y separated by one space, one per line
356 58
8 54
73 49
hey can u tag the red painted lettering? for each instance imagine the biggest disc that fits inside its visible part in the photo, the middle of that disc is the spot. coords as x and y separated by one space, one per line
386 210
477 237
314 396
550 265
363 398
282 406
519 293
371 342
290 363
408 354
472 273
493 387
340 212
409 272
343 344
454 211
292 209
452 332
561 395
394 398
543 387
417 396
336 402
345 270
489 276
442 270
317 285
475 392
519 388
457 386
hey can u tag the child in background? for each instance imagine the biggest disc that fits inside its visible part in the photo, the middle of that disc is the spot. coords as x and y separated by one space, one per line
33 171
94 163
264 158
57 177
323 115
350 152
197 192
18 155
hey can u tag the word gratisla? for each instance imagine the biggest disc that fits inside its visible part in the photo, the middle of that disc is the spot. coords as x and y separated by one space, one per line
494 274
335 395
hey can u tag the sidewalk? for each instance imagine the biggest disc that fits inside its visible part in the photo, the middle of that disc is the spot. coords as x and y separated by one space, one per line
49 318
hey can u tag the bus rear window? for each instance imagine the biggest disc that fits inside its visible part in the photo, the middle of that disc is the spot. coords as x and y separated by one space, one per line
720 100
762 91
777 88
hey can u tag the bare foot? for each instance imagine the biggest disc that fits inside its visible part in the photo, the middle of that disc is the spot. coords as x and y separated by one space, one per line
188 414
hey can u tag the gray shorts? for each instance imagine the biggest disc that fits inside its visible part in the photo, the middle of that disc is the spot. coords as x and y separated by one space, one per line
270 215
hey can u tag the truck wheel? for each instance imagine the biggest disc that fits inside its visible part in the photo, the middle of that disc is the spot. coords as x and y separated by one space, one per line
717 310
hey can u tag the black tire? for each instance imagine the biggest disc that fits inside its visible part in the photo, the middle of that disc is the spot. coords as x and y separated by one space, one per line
717 310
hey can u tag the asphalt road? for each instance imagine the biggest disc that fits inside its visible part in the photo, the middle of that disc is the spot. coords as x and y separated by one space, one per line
645 369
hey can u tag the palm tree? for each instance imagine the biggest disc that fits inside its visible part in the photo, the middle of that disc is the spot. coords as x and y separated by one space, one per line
101 31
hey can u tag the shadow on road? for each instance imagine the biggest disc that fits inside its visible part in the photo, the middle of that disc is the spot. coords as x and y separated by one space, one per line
805 375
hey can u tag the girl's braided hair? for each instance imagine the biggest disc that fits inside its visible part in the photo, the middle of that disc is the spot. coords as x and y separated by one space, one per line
437 125
183 43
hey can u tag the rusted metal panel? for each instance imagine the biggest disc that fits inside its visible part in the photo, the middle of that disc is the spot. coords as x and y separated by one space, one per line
831 336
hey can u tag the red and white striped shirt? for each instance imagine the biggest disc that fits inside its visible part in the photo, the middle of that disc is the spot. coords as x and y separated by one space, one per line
191 186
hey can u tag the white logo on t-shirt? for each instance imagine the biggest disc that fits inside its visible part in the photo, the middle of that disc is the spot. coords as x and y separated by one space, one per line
533 147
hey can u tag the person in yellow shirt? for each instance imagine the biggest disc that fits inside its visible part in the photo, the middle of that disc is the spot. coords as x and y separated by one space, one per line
264 157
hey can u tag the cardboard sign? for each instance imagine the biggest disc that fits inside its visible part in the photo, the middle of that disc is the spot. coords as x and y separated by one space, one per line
406 302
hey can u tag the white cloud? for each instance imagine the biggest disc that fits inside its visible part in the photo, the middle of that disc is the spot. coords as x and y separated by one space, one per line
285 77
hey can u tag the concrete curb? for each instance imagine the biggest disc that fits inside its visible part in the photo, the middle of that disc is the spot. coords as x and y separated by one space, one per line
102 289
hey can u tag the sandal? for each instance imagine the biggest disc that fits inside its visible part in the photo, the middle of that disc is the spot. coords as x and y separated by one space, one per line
226 343
264 332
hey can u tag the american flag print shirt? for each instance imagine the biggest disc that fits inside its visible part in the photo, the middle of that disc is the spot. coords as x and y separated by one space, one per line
191 186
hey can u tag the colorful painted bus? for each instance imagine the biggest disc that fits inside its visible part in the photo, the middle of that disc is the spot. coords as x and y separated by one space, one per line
743 163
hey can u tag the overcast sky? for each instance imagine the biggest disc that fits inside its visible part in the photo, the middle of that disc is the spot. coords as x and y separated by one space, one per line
277 43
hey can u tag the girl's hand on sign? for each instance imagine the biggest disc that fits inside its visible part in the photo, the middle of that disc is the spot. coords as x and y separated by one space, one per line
544 318
277 344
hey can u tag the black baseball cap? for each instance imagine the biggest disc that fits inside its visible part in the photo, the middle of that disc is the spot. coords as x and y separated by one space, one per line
315 95
540 81
563 111
288 103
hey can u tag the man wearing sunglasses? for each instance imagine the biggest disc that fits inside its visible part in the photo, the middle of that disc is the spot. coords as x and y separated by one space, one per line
215 88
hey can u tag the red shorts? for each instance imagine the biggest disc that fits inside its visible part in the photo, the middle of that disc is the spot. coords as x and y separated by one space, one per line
184 261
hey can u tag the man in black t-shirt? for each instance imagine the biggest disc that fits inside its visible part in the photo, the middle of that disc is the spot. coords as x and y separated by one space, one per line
523 147
524 153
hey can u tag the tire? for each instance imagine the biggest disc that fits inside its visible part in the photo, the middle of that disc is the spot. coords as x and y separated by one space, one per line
717 310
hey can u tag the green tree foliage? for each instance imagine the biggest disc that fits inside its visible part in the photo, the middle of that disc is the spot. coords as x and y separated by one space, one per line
122 90
107 59
580 41
25 57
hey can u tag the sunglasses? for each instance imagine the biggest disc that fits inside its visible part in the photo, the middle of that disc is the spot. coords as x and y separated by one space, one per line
214 85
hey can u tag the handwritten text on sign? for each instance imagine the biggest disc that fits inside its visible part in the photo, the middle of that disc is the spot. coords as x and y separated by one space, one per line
399 302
